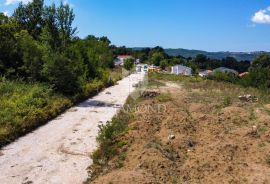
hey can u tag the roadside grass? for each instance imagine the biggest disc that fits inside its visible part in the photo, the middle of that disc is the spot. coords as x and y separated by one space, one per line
26 106
174 78
109 143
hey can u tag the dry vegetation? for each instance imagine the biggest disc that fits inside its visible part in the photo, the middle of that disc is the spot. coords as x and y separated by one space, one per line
204 135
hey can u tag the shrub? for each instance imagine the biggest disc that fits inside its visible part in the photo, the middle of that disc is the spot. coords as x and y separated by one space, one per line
224 76
61 74
26 106
128 64
227 101
108 138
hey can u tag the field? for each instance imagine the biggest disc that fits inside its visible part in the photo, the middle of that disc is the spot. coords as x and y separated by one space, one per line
189 130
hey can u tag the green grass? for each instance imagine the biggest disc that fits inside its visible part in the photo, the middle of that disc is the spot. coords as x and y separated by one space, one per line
26 106
108 144
227 101
164 97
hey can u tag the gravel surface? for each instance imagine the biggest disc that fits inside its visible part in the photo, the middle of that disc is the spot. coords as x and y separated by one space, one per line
58 152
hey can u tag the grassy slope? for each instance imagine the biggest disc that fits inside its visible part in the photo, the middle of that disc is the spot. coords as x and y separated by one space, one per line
24 106
201 113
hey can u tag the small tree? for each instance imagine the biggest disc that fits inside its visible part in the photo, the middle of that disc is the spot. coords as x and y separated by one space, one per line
128 64
61 74
259 75
164 64
32 54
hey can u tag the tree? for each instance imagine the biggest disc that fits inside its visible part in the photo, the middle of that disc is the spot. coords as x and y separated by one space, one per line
201 61
128 64
176 61
262 61
10 59
164 64
31 53
259 73
60 72
156 58
230 62
3 19
29 17
65 18
50 32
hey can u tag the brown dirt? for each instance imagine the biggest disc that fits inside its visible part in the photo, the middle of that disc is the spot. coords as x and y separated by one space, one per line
212 144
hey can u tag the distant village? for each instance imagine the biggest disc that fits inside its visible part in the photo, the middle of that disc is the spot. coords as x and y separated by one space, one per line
176 69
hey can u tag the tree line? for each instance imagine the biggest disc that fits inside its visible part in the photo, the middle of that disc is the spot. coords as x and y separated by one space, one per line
259 68
39 44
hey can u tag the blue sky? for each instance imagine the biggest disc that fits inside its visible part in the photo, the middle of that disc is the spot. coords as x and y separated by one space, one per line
212 25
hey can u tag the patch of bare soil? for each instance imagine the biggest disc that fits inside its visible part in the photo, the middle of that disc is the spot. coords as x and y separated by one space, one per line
193 142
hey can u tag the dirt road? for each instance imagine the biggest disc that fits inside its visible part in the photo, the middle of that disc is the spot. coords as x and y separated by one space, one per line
58 153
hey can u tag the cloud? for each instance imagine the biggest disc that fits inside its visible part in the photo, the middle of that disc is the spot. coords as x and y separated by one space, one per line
10 2
262 16
66 2
6 13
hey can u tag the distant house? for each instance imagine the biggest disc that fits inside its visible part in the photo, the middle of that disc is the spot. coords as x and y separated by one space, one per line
205 73
119 61
181 70
243 74
225 70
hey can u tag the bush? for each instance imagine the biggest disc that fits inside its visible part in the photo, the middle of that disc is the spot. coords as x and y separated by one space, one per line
26 106
109 145
32 55
128 64
224 76
62 74
227 101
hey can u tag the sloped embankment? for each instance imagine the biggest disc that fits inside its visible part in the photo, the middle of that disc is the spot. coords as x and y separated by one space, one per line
205 134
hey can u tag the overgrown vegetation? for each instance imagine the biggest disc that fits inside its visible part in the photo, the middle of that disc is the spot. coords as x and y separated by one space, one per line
45 67
109 144
26 106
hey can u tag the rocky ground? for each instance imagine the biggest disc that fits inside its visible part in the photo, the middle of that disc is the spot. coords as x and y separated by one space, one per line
195 132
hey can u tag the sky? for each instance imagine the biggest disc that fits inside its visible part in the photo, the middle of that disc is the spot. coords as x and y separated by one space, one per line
211 25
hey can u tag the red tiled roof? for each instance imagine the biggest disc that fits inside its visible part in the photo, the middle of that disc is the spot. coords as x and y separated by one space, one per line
124 56
243 74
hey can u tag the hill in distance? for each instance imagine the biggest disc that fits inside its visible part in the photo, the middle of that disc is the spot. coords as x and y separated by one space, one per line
240 56
214 55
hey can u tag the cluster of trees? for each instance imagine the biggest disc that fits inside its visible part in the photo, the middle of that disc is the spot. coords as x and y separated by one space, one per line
159 57
259 73
39 44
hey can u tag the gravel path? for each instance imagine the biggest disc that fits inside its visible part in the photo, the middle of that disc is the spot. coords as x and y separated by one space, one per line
58 153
